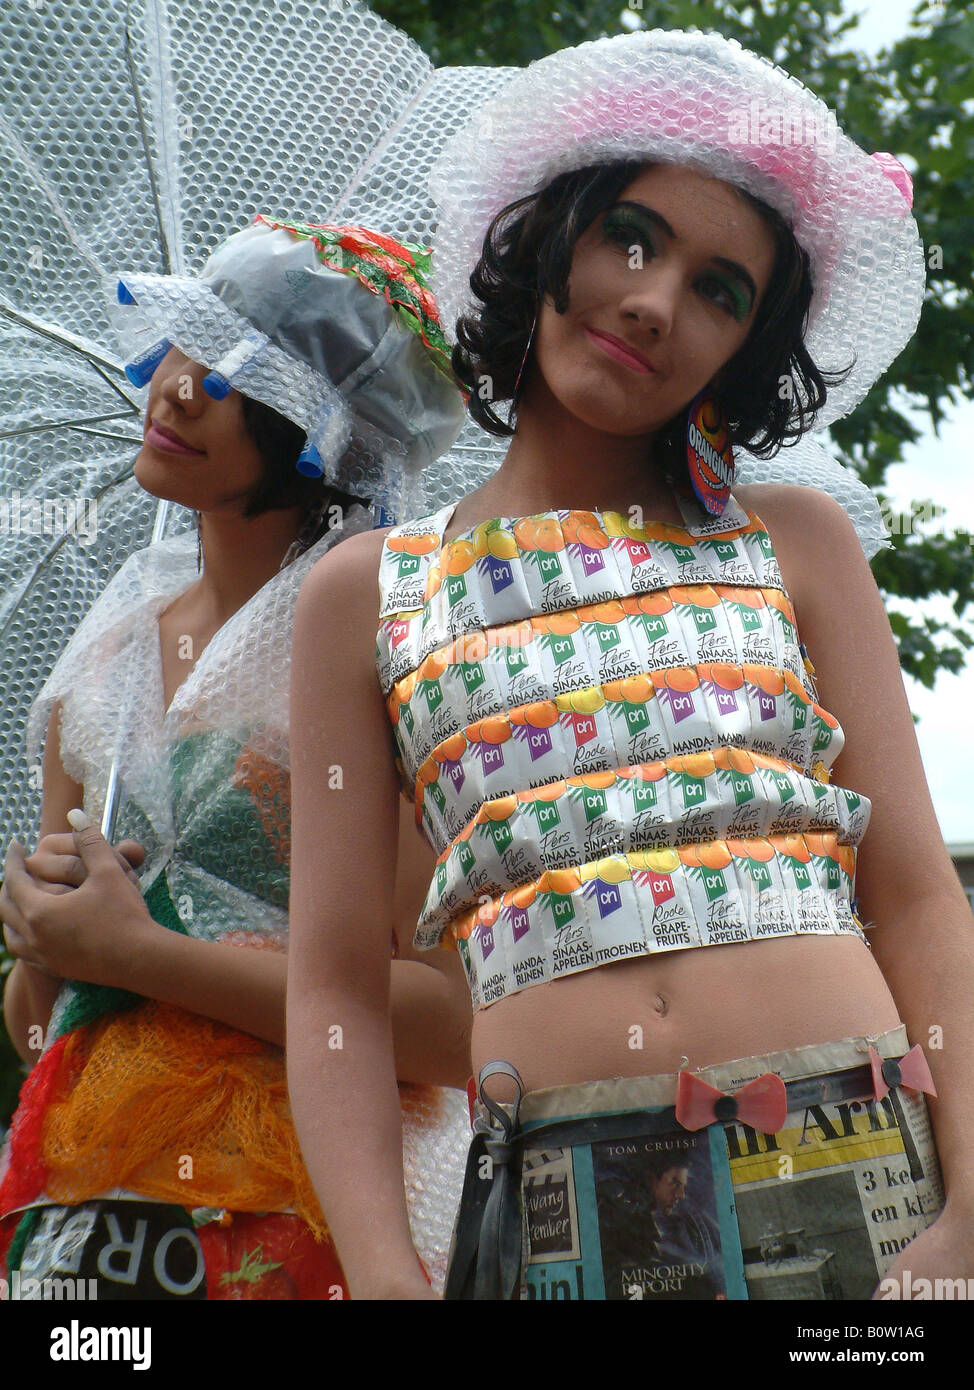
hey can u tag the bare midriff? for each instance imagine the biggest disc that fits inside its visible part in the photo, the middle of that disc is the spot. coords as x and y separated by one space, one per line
699 1006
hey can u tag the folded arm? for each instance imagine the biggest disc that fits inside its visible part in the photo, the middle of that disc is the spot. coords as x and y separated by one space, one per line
62 925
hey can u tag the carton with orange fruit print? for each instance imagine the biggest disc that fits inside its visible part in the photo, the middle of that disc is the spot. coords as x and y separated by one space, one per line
596 794
614 643
666 898
745 604
496 553
408 548
541 543
515 836
684 563
586 540
676 688
560 652
533 727
699 612
592 801
632 542
456 559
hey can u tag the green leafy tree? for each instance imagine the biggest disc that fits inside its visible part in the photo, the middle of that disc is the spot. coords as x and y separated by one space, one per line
916 100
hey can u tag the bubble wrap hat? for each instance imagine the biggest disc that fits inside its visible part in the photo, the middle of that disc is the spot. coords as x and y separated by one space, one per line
333 327
703 101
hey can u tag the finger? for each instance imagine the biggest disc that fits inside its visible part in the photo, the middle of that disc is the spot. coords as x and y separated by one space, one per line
129 872
24 901
14 942
61 843
11 915
97 855
64 869
17 881
132 851
17 946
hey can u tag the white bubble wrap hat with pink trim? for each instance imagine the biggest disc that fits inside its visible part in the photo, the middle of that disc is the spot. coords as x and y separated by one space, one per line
703 101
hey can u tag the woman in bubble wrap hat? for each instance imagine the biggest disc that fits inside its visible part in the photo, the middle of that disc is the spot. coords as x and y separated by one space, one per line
660 251
153 1150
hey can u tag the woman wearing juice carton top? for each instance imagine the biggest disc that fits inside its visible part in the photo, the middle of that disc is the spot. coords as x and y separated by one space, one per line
153 1149
615 738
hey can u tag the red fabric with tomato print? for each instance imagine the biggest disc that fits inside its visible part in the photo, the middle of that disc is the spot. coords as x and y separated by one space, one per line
272 1256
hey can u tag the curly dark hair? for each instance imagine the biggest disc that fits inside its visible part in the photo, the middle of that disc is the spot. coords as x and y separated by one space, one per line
279 442
528 253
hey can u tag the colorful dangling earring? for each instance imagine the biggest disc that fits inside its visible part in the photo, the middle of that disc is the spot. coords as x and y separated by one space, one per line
710 460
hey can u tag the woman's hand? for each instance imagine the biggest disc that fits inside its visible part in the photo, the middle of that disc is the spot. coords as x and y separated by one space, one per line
89 932
57 864
944 1251
56 867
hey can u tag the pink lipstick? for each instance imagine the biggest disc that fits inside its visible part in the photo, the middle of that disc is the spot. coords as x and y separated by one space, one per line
168 442
614 348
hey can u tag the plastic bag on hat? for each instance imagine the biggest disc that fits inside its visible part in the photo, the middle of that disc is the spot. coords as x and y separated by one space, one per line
317 322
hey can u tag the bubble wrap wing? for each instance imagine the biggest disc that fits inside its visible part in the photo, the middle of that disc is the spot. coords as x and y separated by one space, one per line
157 148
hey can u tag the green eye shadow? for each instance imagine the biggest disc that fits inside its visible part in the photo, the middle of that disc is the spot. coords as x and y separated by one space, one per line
740 300
632 220
619 220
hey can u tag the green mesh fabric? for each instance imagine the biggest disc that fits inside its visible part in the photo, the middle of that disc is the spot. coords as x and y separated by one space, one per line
23 1233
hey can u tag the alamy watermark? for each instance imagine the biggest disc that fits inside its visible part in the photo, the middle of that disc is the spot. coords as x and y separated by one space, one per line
77 1343
924 518
23 1288
49 516
924 1289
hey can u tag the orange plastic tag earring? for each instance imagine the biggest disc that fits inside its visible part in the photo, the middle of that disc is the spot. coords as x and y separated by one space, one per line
709 458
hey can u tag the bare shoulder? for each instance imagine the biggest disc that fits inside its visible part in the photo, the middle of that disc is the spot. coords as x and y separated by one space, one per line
336 621
797 510
345 581
356 556
815 541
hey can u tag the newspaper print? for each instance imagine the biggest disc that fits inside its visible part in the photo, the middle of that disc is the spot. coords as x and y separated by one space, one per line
649 1219
817 1211
826 1205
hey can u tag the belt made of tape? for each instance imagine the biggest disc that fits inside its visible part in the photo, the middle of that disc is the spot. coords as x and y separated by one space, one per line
485 1262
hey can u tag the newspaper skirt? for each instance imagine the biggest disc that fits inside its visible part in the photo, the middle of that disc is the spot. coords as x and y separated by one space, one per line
596 1191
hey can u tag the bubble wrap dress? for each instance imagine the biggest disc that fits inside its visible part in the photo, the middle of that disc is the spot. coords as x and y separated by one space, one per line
206 792
612 739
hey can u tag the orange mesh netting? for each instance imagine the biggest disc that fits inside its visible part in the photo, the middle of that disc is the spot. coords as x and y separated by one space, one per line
183 1109
176 1107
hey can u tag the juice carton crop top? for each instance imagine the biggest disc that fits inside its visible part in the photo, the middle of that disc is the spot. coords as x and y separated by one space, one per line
612 740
